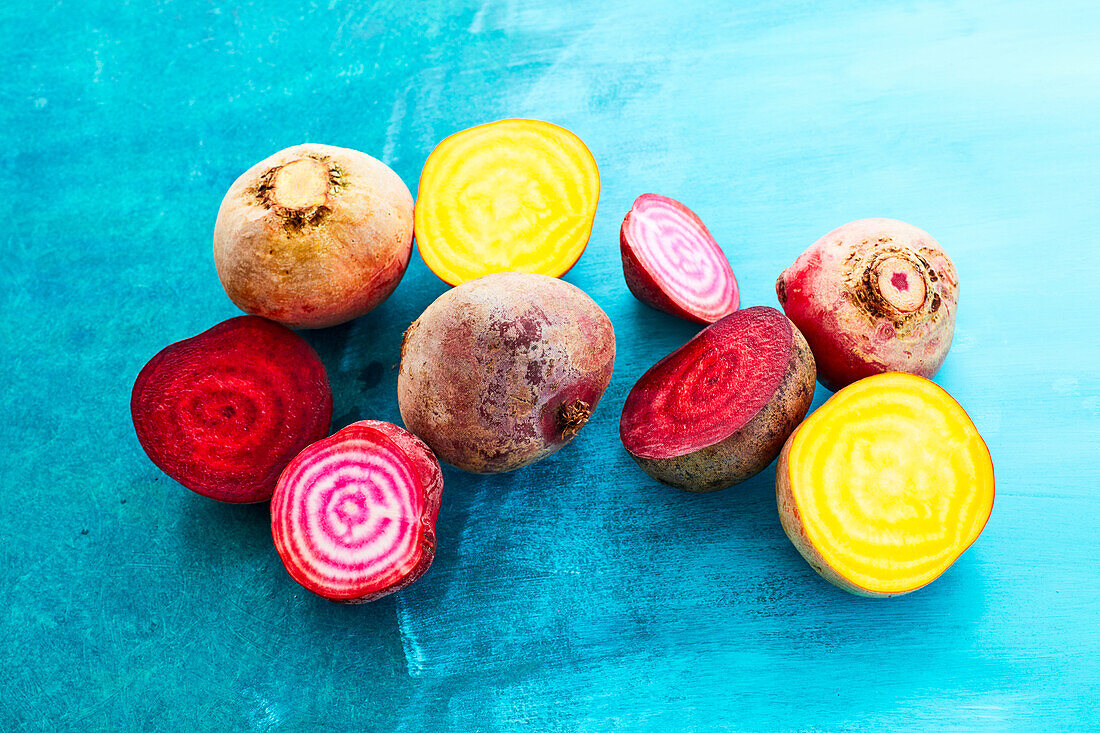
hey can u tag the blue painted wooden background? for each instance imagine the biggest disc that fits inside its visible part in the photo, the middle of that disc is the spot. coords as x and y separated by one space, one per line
576 594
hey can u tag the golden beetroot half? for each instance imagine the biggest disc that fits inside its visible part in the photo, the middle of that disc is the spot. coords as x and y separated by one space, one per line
716 411
353 516
872 296
885 485
225 411
313 236
504 370
506 196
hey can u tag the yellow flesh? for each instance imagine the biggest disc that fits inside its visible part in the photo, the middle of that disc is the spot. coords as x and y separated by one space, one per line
892 482
509 196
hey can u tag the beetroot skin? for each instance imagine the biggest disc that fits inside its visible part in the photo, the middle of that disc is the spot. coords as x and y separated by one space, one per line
717 410
313 236
353 516
504 370
225 411
873 296
672 263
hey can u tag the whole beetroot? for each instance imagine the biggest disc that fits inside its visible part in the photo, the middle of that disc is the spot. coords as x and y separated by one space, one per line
872 296
504 370
313 236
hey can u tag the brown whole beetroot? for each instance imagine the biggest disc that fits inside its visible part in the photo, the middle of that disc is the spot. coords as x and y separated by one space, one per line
504 370
313 236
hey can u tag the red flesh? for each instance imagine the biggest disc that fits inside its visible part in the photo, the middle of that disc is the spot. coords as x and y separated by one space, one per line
672 263
710 387
353 516
225 411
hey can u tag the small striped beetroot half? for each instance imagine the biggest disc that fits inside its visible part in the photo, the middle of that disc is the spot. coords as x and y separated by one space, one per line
672 263
224 412
353 515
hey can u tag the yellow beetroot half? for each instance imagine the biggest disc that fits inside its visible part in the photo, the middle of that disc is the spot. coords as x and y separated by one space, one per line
885 485
508 196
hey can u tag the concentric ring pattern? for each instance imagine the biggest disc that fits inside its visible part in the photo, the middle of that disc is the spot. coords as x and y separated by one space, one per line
508 196
225 411
891 485
346 515
710 387
680 254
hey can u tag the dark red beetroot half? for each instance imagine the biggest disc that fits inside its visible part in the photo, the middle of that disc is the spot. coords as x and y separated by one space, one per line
225 411
717 410
353 516
672 263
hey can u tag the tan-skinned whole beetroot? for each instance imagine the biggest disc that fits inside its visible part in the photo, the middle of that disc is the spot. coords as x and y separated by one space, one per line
872 296
313 236
504 370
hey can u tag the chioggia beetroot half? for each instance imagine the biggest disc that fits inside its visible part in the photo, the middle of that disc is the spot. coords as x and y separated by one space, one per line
672 263
353 515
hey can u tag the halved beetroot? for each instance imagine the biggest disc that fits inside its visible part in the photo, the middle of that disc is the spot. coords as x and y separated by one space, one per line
353 516
717 410
225 411
672 263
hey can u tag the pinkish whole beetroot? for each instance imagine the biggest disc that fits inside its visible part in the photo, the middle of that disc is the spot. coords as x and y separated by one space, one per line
872 296
504 370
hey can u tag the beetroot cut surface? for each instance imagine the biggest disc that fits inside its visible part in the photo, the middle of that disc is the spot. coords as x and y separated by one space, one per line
353 516
672 263
225 411
710 387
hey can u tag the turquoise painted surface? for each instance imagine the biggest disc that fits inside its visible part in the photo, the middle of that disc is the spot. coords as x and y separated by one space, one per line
576 594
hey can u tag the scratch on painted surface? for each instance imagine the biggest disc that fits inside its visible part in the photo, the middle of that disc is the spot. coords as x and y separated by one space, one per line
393 127
414 653
264 714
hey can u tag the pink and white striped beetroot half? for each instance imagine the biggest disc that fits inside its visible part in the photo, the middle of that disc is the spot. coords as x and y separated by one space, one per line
353 515
672 263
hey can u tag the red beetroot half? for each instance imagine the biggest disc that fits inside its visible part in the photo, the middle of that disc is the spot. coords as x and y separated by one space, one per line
717 410
353 516
225 411
873 296
672 263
